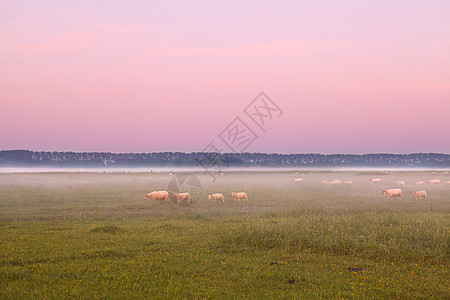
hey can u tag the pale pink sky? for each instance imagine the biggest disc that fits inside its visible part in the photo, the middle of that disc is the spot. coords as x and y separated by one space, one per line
145 76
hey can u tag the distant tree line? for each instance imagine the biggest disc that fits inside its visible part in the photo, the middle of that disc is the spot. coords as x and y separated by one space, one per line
220 160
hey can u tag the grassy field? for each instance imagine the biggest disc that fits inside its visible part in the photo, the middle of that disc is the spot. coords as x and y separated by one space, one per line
92 235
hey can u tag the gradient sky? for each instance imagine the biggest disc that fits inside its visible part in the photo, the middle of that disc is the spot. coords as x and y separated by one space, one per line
146 76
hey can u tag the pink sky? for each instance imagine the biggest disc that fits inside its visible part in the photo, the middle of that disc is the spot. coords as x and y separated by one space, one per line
349 76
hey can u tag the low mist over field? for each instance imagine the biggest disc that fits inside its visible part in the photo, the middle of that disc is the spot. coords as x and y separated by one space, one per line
269 191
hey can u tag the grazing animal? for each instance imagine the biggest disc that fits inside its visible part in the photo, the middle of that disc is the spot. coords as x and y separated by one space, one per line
335 182
348 182
239 196
375 180
420 183
448 182
402 183
157 195
392 193
181 197
298 179
324 181
218 197
420 194
435 181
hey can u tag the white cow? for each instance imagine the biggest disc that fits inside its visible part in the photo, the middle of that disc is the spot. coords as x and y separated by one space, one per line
375 180
401 183
420 183
435 181
298 179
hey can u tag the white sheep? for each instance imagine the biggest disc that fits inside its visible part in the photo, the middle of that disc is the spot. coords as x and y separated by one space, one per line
157 195
420 194
392 193
182 197
218 197
335 182
239 196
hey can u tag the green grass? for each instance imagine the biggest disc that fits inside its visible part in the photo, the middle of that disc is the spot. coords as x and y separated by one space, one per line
93 236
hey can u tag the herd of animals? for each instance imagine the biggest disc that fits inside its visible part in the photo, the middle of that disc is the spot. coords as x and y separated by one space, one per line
186 197
180 197
390 192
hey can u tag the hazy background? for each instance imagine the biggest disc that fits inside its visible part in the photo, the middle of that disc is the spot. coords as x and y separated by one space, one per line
144 76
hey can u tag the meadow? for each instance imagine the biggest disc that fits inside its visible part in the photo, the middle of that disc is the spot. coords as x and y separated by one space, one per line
92 235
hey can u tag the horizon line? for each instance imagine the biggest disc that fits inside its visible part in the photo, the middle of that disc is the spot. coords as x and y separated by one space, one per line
316 153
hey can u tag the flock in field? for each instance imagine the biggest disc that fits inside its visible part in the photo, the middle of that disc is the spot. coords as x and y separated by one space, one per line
238 196
390 192
186 197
